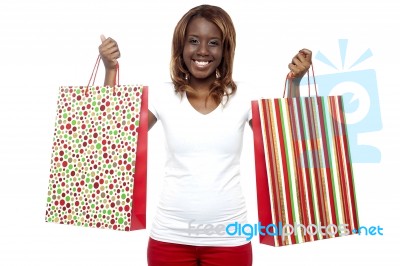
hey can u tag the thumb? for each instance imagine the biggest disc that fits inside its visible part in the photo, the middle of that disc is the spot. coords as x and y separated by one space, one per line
102 38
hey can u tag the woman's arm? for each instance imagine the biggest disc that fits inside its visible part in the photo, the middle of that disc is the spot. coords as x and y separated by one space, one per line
109 53
151 120
299 66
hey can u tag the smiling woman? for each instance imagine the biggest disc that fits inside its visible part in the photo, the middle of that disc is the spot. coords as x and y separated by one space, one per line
202 52
203 113
205 36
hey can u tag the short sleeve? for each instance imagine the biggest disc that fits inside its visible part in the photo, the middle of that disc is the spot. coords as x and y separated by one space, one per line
153 103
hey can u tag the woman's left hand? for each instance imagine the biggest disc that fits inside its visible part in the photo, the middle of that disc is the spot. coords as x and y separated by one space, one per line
300 64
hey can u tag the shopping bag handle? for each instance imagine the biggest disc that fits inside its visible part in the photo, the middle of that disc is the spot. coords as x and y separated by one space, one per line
289 80
94 74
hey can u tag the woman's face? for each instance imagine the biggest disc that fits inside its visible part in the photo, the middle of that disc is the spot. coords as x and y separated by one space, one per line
202 52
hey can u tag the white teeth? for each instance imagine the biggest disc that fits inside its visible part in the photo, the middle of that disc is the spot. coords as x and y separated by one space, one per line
201 63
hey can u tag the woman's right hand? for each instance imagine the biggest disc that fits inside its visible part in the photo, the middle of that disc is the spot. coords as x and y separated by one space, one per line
109 53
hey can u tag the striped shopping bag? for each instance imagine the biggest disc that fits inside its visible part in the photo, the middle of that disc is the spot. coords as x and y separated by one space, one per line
305 185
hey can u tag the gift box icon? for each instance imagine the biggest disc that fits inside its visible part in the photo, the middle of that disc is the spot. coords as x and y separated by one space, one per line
361 102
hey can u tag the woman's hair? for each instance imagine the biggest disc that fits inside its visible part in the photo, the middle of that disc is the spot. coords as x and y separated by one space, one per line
179 73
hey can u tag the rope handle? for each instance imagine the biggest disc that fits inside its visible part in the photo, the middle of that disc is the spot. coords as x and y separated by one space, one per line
94 74
289 80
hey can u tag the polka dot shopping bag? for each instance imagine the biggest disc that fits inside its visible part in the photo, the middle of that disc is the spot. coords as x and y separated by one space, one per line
98 167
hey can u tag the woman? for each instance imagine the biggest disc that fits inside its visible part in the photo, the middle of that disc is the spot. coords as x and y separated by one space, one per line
203 112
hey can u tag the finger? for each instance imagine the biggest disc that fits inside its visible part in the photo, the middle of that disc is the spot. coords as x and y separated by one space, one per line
115 55
301 58
108 44
109 50
293 70
305 51
305 54
102 38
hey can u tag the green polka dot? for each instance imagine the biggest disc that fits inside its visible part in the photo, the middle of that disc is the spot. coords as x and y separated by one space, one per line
96 109
93 103
123 196
48 199
67 198
128 116
109 212
103 90
98 146
73 122
90 186
120 220
65 115
59 191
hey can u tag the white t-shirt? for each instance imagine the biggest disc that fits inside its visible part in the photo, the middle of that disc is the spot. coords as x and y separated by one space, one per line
201 192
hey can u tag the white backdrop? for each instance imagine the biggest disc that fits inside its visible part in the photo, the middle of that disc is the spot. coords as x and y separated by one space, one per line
48 43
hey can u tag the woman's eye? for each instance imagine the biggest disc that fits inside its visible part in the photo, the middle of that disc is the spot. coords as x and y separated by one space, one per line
214 43
193 41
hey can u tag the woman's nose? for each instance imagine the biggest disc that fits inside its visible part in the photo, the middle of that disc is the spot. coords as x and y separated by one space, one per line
202 49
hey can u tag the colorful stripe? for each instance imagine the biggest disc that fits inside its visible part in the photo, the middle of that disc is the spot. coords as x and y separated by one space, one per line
303 144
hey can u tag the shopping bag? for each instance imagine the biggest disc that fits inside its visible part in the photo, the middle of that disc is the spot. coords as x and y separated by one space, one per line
304 176
98 166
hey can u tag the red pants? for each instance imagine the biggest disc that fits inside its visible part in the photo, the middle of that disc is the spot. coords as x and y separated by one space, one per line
169 254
